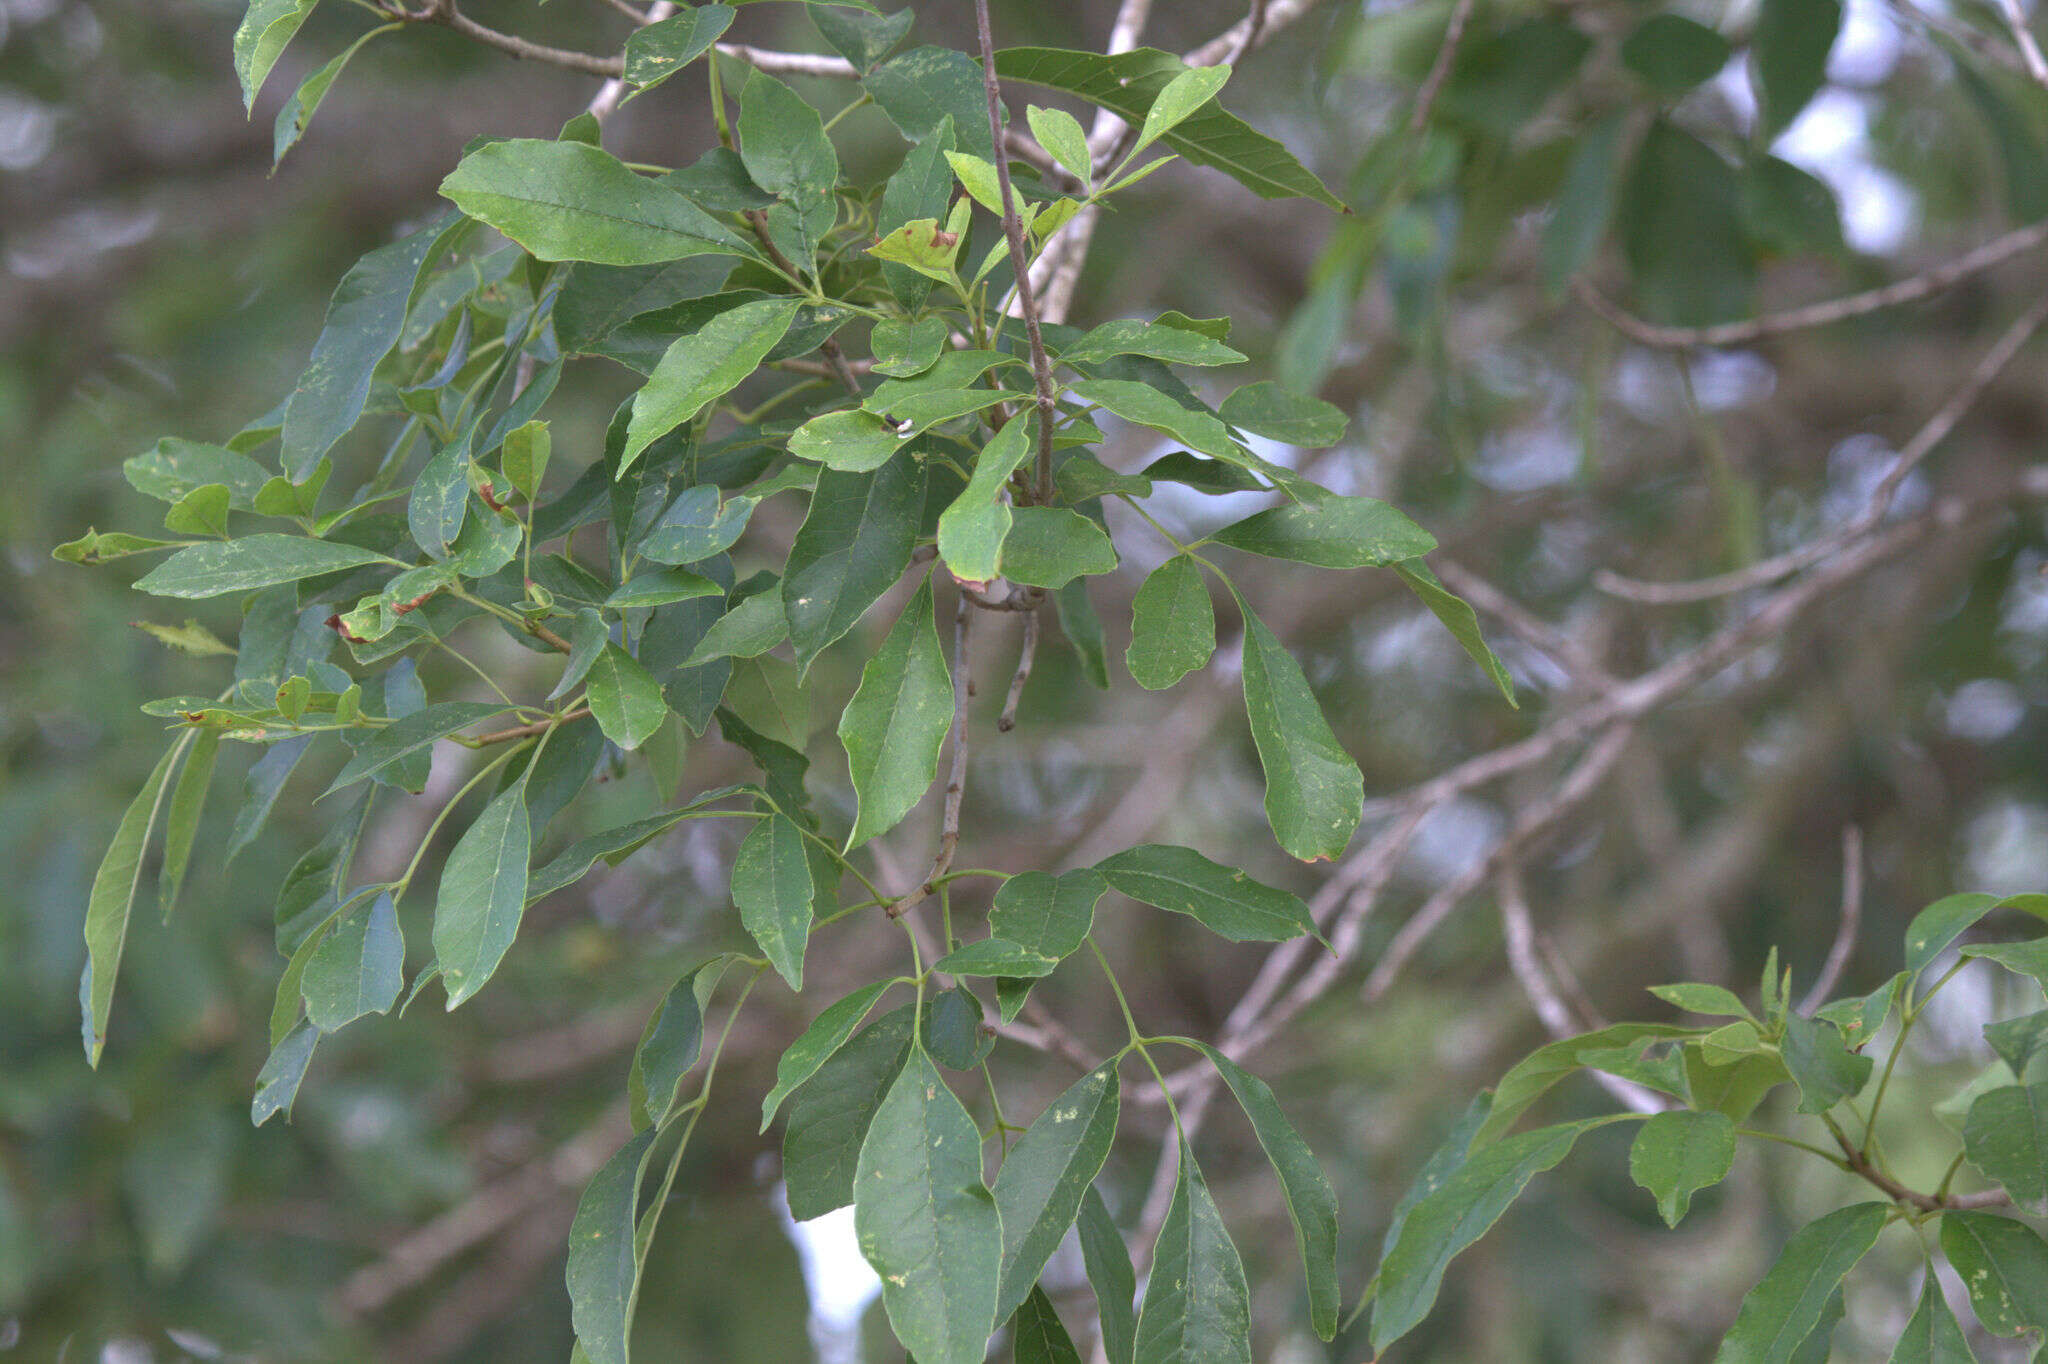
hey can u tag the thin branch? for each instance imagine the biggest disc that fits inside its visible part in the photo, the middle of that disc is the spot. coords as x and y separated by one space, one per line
789 63
2023 38
517 732
1440 69
1858 1163
607 98
1246 36
1020 258
1909 290
1923 443
1254 26
1129 26
447 15
1025 656
956 779
835 359
1849 922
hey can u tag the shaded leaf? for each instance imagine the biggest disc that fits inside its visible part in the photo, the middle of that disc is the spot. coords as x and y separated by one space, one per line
112 898
482 895
1678 1153
896 723
358 968
1782 1310
1197 1304
1223 899
604 1269
1315 793
1108 1263
2006 1136
659 50
853 546
1042 1181
771 885
2004 1264
818 1044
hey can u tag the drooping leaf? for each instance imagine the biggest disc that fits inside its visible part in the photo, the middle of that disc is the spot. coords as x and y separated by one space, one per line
1678 1153
925 1220
1311 1203
669 1046
1173 625
953 1030
771 885
1039 1188
267 27
1223 899
260 788
852 547
2006 1136
298 111
1272 410
1932 1336
215 569
821 1041
1585 202
2004 1264
1458 1213
277 1084
1197 1304
1315 793
572 201
1038 1334
1083 629
1460 619
1108 1263
358 968
896 723
863 39
2019 1040
1782 1310
604 1269
1129 82
482 895
181 819
111 900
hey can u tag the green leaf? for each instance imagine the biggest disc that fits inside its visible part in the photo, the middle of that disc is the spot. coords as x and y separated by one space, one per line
1681 230
903 349
1787 209
925 1220
298 111
1311 1203
669 1046
173 468
1678 1153
440 499
358 968
1443 1162
2021 958
483 894
748 630
1696 998
1272 410
896 723
1147 406
1782 1310
260 788
783 143
1941 923
1209 475
1673 53
819 1043
863 39
1790 55
922 88
1052 546
112 898
571 201
1341 532
972 529
997 957
1128 84
853 546
1454 1216
1537 1073
1460 619
1503 80
2004 1264
525 456
830 1115
849 440
1129 336
1042 1181
365 318
260 39
604 1268
277 1084
978 177
1223 899
698 525
1083 629
2019 1040
625 698
2006 1136
181 823
1061 134
1933 1336
203 511
1177 101
1173 625
703 366
1825 1070
212 570
1585 202
411 734
661 49
97 547
920 189
1038 1335
1108 1263
1197 1304
771 885
1315 793
660 588
1047 914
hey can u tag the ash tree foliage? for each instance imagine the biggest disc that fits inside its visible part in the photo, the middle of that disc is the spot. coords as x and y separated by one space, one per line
874 356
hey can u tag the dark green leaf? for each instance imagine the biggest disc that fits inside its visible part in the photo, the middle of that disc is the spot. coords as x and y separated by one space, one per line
1782 1310
1790 52
2006 1136
925 1220
1129 336
2021 958
1502 81
483 895
699 524
1046 914
771 885
1173 625
1052 546
625 698
1223 899
783 143
1340 532
1585 202
896 723
413 733
277 1084
1209 475
1197 1304
2019 1040
1941 923
604 1269
440 499
830 1114
173 468
212 570
668 1048
997 957
181 822
921 188
1315 793
1673 53
1535 1074
571 201
1311 1203
922 88
1789 210
1278 413
853 546
703 366
953 1030
260 789
1083 629
298 111
1108 1262
818 1044
1681 230
1933 1336
2004 1264
358 968
1459 618
1678 1153
1038 1334
1041 1183
661 49
111 900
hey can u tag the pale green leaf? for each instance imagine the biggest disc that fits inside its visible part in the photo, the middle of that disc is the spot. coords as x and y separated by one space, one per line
1315 793
624 697
1339 532
972 528
1061 134
748 630
266 29
998 957
112 898
1177 100
849 440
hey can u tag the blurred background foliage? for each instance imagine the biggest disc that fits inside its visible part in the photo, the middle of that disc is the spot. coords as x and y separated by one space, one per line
156 277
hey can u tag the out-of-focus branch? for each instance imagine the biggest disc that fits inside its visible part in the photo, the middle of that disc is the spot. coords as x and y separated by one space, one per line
1440 69
2023 39
607 98
1848 923
447 15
